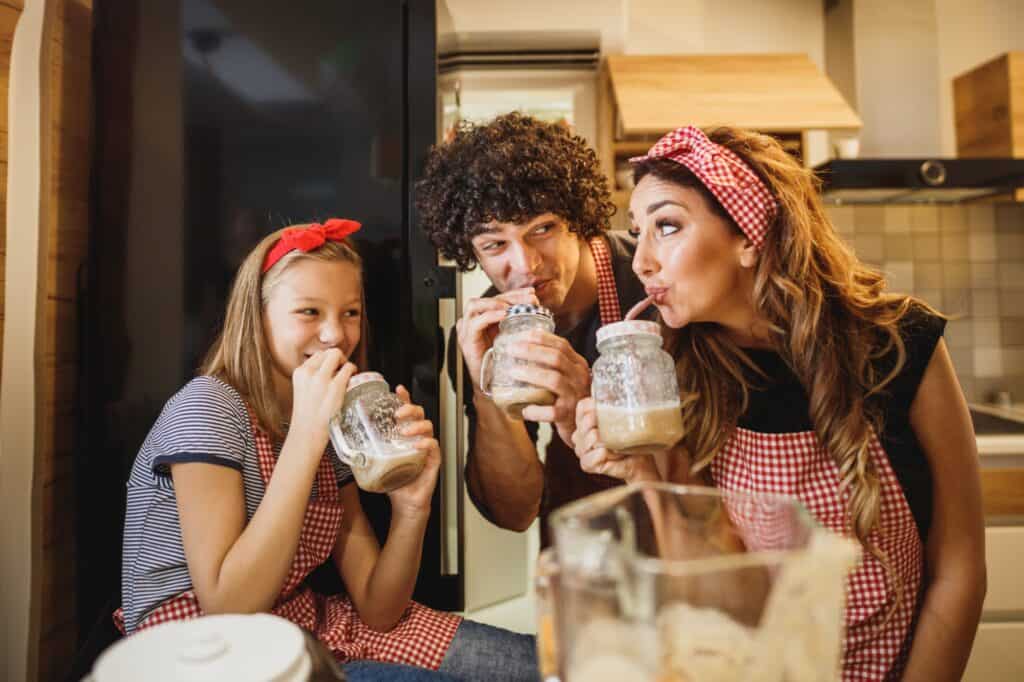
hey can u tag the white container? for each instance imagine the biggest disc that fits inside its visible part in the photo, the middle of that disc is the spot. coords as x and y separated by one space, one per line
256 647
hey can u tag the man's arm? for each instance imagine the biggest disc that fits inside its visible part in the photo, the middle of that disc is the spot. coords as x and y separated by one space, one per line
504 475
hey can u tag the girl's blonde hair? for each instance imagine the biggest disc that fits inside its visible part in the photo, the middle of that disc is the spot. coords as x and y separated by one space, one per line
830 318
240 356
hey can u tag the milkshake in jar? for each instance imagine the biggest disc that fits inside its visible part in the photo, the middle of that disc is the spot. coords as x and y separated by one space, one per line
635 389
495 371
365 436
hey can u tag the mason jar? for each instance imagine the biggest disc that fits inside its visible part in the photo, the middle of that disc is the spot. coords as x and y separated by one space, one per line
635 389
496 379
366 437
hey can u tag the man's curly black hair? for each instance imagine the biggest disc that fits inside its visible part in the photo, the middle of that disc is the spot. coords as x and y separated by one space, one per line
510 170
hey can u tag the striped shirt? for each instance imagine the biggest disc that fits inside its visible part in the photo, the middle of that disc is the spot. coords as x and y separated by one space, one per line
206 421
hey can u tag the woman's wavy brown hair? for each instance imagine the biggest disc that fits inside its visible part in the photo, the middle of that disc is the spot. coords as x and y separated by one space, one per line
241 356
831 321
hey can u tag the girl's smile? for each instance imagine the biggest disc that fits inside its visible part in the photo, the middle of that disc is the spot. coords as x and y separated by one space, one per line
316 305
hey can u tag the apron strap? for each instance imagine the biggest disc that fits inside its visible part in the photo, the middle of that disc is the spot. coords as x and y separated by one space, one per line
607 294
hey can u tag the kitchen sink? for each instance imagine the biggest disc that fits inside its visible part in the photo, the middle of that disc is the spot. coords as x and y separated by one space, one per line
990 424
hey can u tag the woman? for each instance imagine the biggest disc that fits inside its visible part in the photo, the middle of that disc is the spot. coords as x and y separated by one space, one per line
800 374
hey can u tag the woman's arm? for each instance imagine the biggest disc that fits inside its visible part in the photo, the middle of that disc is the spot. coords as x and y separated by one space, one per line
379 581
237 567
955 548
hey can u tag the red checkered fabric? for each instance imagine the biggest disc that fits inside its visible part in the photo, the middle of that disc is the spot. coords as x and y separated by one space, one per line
795 464
736 186
607 293
422 636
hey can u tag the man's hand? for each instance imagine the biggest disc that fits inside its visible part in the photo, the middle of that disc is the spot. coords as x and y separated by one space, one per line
477 328
554 365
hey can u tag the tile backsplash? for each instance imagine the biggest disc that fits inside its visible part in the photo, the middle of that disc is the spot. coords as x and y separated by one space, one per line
967 261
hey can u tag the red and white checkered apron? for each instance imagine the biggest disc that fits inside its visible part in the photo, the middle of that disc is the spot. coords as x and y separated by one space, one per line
607 294
795 464
421 638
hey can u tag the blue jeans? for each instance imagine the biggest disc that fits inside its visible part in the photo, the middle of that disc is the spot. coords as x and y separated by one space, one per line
477 653
372 671
484 652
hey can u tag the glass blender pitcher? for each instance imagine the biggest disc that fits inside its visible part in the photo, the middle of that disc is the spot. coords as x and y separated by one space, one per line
660 583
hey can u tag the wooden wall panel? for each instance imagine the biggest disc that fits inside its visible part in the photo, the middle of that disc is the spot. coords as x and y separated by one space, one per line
68 86
10 10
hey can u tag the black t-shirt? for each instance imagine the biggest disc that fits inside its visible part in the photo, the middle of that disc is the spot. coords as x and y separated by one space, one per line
564 481
780 405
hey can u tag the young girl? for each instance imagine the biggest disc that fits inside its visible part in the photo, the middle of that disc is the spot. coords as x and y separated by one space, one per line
236 495
801 375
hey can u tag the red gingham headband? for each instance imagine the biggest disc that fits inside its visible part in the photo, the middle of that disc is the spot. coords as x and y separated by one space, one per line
308 238
726 176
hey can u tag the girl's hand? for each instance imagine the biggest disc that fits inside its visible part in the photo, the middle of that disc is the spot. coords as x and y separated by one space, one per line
595 458
318 391
414 497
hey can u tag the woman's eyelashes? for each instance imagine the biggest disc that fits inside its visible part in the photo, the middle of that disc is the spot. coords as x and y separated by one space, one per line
665 228
662 228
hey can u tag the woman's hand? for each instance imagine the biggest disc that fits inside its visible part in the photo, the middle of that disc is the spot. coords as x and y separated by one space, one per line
595 458
414 497
318 391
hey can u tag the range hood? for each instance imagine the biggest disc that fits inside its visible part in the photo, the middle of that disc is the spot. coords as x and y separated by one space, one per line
911 181
774 93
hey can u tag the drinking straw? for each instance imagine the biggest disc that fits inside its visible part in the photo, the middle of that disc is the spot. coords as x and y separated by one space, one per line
639 308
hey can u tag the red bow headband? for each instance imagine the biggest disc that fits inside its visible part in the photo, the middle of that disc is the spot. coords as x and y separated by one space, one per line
309 238
738 188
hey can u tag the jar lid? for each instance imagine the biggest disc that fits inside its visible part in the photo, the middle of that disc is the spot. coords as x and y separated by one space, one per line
628 328
364 378
528 309
259 647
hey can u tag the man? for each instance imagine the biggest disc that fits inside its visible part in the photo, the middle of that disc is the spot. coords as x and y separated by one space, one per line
527 202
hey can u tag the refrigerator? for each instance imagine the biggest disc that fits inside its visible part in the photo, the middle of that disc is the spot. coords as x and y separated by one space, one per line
218 121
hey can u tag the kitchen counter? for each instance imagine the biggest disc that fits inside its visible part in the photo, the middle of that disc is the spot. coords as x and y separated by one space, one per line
1000 434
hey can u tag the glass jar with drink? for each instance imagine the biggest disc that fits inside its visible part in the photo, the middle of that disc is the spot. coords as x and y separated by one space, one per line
496 380
366 436
635 389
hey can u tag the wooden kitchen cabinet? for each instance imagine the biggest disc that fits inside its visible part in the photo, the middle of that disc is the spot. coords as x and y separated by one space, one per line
988 108
998 653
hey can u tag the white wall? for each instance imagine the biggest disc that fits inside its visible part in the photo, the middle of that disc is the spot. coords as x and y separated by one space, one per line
897 72
658 26
17 394
604 17
969 34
